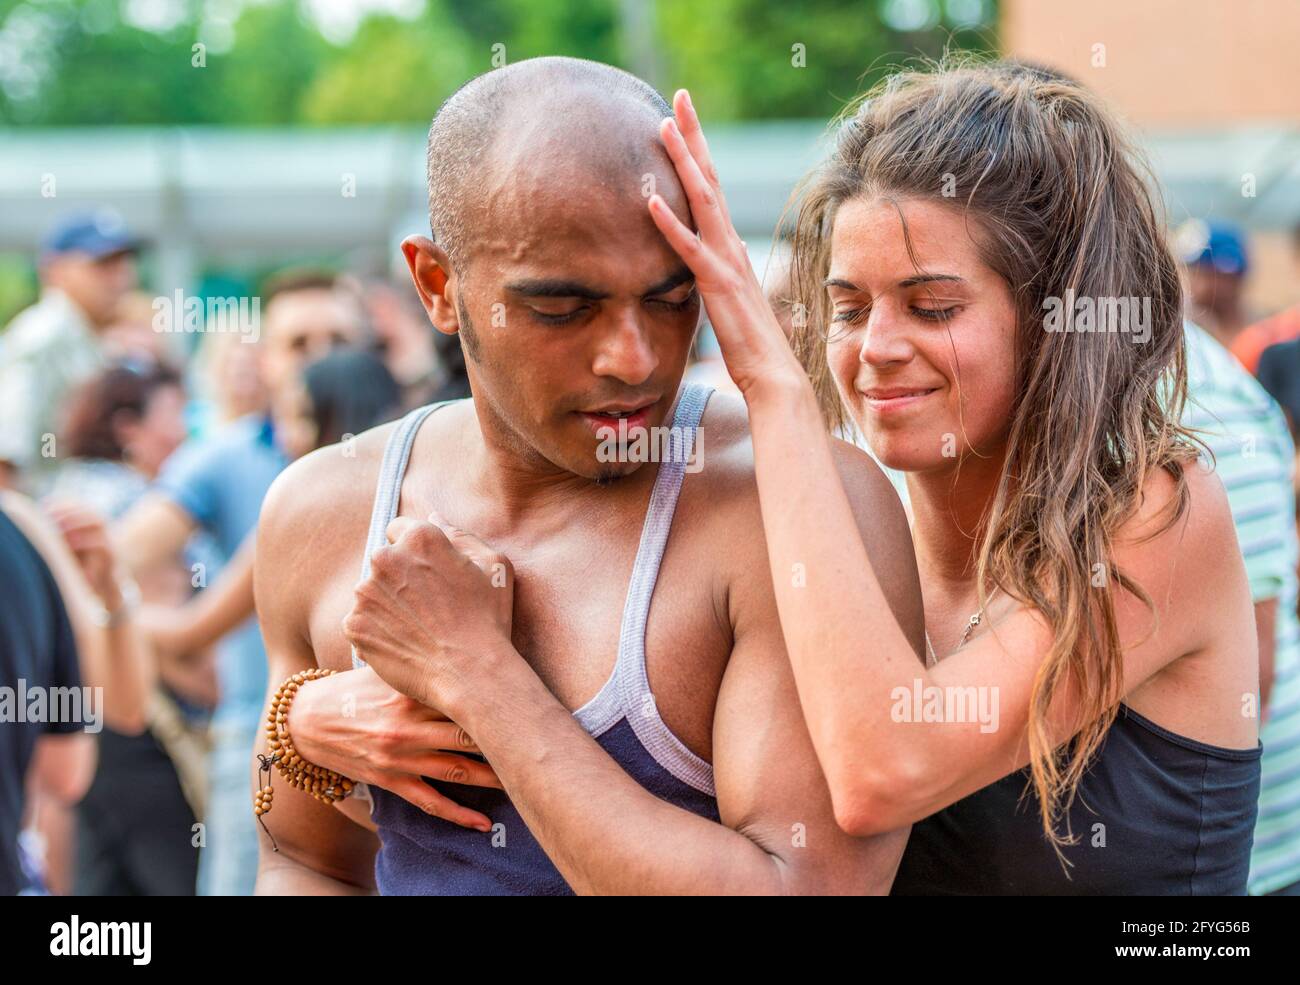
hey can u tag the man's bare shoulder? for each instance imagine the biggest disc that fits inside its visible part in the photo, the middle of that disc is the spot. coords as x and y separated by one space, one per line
724 456
727 505
726 464
322 501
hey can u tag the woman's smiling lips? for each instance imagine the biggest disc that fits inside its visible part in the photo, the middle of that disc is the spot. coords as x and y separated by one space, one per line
892 399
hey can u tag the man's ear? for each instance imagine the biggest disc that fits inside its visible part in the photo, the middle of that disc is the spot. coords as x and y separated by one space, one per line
431 271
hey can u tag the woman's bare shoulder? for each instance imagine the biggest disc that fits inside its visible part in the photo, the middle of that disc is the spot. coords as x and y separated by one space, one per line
1187 507
1180 547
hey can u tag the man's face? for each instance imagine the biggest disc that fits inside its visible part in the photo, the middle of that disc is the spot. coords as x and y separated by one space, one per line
96 286
578 312
301 327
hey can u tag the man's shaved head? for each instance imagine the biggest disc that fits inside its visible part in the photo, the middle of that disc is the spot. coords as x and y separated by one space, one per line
544 111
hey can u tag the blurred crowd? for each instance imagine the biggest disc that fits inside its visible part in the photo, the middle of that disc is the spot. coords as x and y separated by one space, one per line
149 463
133 464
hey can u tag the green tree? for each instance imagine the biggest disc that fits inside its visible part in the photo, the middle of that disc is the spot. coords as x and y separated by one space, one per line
750 59
392 70
264 77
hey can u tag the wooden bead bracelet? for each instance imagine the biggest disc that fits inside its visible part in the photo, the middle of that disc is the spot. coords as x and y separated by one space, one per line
327 786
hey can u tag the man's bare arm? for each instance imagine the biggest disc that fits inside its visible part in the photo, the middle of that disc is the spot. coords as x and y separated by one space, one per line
608 834
321 852
63 766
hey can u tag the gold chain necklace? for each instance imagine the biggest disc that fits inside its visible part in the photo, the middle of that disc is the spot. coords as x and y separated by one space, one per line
971 623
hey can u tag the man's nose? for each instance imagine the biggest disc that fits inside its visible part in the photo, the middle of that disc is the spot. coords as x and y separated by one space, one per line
625 351
885 338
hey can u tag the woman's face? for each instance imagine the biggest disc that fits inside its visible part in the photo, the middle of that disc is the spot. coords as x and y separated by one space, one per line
922 349
295 425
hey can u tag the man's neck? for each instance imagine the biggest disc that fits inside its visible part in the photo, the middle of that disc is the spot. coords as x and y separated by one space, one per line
521 488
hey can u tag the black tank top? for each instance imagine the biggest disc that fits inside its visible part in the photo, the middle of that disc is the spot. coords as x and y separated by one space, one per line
1156 814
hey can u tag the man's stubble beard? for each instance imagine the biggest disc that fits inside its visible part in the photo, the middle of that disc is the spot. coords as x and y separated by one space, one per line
607 478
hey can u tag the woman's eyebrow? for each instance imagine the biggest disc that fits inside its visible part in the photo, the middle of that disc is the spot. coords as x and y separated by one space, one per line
928 279
906 282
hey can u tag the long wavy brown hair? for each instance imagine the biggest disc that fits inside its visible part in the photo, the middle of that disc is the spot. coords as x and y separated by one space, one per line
1058 201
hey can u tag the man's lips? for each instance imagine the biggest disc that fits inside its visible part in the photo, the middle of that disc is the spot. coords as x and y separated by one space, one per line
615 416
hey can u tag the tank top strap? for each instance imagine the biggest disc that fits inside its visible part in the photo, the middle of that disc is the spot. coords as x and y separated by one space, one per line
683 452
388 490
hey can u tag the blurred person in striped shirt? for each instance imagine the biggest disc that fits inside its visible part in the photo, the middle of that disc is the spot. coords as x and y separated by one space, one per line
1254 457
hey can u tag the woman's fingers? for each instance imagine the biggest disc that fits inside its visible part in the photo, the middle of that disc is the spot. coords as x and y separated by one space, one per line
415 791
747 330
681 238
688 124
705 205
81 540
78 523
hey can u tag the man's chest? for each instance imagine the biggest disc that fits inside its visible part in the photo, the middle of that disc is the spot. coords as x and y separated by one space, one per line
576 603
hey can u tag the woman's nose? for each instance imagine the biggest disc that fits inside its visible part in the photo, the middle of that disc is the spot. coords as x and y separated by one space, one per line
884 339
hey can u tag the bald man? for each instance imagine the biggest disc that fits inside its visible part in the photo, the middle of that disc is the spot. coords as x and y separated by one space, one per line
641 720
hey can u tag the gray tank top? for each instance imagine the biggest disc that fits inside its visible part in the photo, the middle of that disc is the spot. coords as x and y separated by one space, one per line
423 855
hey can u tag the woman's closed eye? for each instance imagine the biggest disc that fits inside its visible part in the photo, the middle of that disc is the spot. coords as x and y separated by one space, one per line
936 314
851 314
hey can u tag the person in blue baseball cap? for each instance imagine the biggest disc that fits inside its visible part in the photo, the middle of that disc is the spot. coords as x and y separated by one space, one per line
87 265
1217 264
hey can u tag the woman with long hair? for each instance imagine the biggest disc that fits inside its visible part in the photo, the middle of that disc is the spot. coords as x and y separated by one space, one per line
982 285
337 397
